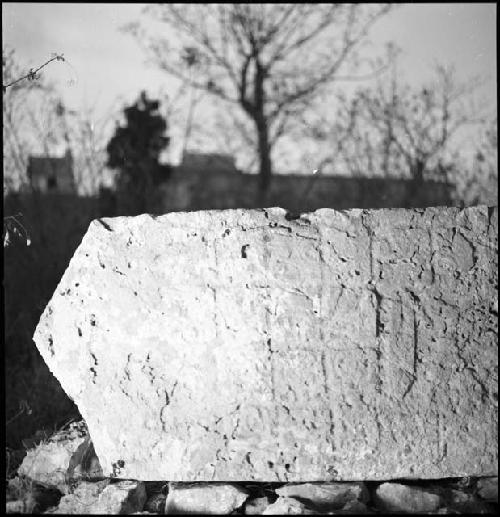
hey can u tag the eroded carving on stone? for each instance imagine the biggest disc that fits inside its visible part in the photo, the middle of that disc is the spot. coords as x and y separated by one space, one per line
245 345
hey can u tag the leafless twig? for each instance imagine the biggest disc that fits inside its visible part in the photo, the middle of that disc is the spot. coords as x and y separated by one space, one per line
31 75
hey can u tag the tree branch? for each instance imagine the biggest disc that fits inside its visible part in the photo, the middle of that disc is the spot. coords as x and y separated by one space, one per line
248 106
314 32
329 74
31 75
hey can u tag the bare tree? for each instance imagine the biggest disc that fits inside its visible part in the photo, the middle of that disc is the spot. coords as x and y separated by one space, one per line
396 130
477 178
268 59
420 125
31 121
19 90
36 120
86 134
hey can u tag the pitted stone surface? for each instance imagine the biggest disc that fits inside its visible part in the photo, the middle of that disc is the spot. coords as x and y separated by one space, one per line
246 345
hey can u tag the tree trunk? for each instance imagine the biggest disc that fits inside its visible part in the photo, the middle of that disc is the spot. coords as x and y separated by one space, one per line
264 147
413 197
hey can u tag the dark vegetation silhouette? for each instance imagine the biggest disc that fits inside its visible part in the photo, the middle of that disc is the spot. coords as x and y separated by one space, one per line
134 150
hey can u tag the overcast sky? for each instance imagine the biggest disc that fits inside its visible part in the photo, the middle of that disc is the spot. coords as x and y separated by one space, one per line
107 65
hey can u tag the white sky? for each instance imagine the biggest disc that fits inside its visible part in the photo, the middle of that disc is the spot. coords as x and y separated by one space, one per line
110 67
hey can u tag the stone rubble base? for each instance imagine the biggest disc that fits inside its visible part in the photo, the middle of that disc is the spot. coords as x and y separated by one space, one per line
63 476
125 497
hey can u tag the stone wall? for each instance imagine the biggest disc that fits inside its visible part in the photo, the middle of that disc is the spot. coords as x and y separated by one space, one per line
194 189
251 345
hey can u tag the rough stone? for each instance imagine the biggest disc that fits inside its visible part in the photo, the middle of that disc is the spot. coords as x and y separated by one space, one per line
121 498
465 483
155 503
68 455
204 498
487 488
288 506
354 508
465 502
446 511
82 498
26 496
18 506
257 505
326 496
249 345
16 487
394 497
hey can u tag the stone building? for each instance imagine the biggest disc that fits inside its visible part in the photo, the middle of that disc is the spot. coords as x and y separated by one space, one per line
204 181
203 161
49 174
